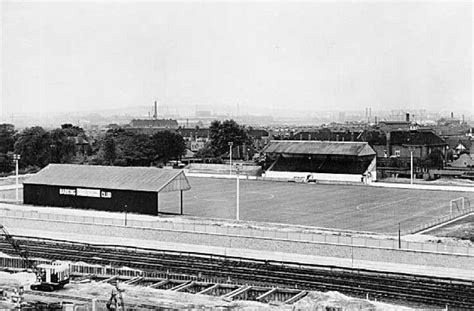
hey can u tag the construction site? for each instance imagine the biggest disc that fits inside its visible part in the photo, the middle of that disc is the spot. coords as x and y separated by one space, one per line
287 246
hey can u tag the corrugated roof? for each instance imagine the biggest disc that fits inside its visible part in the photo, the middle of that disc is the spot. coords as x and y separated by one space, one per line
319 147
111 177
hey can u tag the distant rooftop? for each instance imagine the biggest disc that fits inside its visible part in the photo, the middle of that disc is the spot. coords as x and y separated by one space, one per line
159 123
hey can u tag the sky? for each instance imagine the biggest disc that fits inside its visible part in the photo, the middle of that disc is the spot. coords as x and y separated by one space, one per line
261 56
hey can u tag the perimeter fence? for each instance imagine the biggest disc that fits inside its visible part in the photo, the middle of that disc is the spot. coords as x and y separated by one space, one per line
245 229
440 220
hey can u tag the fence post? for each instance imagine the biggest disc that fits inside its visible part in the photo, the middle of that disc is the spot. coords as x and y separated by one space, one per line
399 237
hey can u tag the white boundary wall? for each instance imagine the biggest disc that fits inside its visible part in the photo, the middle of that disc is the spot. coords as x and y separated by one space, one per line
244 229
353 178
260 247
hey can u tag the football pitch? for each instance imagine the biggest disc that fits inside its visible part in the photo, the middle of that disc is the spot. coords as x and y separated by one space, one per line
348 207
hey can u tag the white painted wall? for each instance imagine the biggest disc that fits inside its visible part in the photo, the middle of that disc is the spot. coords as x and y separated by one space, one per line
357 178
371 172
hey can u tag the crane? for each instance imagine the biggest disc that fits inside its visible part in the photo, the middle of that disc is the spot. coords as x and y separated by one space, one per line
49 277
16 246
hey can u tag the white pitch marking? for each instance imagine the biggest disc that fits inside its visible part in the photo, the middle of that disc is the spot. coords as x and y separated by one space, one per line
359 207
261 196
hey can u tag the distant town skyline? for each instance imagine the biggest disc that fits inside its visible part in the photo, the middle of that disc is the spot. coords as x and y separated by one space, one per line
264 57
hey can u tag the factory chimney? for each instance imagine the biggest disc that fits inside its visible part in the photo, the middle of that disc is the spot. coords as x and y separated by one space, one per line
155 114
407 117
452 115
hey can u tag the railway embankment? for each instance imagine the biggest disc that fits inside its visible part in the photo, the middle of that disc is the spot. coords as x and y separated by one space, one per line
291 243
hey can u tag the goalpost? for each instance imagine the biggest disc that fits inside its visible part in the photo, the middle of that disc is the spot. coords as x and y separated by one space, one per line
458 204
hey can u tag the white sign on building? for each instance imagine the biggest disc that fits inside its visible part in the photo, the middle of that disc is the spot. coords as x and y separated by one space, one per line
83 192
67 191
105 194
94 193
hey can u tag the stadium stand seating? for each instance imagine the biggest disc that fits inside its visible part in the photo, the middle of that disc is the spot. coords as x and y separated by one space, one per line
322 164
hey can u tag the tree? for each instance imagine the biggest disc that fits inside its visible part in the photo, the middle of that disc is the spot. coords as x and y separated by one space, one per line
137 150
72 130
167 145
62 146
109 152
6 162
207 151
7 137
7 142
435 159
33 144
228 131
124 148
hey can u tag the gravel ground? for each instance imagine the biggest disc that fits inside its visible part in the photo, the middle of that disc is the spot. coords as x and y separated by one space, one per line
134 296
441 181
461 229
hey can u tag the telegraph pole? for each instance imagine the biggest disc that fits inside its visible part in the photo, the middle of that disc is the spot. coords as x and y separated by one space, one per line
237 212
399 237
230 156
16 158
411 164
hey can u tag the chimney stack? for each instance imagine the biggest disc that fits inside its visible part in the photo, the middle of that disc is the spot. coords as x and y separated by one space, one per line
452 115
407 117
155 114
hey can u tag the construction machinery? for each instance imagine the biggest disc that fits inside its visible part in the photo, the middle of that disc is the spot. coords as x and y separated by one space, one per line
49 277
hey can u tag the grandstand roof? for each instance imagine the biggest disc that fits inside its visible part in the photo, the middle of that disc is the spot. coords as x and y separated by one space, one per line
111 177
358 149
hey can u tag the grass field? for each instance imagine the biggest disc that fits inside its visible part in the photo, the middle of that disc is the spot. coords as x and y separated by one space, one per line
349 207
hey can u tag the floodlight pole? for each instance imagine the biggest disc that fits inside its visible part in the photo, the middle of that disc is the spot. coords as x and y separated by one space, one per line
399 237
16 157
237 212
411 167
230 156
181 202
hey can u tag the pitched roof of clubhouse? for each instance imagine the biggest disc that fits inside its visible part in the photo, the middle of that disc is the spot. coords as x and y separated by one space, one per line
147 179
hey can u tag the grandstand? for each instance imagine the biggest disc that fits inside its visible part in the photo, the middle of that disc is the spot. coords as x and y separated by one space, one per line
321 161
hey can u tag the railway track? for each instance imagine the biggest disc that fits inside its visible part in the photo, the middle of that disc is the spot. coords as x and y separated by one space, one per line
389 287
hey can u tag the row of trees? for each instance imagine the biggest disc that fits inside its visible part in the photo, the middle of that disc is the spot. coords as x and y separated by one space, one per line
120 147
39 147
221 133
7 143
124 148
